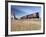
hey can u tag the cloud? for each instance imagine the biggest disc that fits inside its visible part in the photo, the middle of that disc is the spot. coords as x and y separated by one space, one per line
25 10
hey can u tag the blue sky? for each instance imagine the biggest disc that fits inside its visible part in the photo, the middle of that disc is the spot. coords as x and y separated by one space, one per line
20 11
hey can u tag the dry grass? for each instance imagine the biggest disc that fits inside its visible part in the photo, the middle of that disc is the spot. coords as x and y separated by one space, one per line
25 25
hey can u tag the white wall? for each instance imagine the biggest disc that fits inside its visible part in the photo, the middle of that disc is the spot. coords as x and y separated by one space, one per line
28 0
2 17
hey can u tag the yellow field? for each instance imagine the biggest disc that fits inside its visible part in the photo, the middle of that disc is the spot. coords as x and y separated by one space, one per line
25 25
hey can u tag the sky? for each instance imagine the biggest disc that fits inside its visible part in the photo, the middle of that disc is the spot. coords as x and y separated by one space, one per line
20 11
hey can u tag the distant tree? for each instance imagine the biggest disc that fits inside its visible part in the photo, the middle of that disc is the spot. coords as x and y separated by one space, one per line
37 14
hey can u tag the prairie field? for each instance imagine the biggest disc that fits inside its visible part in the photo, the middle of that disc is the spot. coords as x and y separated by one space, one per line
25 25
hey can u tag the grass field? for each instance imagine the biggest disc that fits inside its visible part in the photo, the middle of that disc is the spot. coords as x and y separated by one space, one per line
25 25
